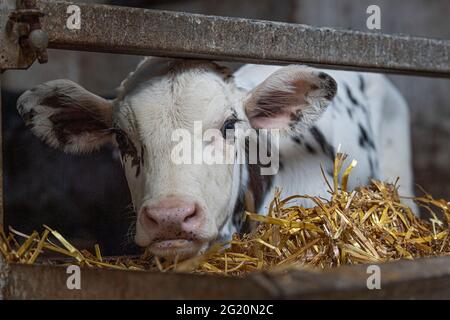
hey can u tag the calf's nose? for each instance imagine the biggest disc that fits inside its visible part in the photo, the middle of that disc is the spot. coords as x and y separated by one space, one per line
170 216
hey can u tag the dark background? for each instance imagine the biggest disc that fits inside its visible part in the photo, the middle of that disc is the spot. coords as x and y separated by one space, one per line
86 197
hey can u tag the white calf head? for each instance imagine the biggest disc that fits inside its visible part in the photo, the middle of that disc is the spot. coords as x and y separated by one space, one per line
181 208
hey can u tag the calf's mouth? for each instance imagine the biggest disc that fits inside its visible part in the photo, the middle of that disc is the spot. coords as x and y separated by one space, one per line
176 248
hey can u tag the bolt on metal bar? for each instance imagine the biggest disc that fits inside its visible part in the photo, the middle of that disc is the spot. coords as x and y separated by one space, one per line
163 33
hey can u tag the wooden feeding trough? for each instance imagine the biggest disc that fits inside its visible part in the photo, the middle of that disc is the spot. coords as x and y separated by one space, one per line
170 34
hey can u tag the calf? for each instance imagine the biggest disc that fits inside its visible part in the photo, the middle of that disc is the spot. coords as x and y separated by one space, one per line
183 208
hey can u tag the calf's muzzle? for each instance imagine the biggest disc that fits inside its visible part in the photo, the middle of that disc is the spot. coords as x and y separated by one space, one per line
172 219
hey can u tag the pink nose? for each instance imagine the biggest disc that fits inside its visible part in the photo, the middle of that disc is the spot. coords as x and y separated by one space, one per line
172 218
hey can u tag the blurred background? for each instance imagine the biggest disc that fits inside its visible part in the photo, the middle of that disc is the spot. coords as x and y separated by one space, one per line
86 197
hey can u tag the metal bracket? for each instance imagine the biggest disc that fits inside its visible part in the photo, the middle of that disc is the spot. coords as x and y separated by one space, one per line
21 39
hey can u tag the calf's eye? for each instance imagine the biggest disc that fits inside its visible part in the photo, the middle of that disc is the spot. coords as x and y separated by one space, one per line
228 126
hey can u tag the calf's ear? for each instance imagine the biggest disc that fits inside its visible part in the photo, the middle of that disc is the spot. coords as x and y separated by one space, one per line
67 116
291 98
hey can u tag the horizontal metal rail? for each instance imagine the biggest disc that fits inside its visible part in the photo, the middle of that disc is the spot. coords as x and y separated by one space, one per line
422 278
163 33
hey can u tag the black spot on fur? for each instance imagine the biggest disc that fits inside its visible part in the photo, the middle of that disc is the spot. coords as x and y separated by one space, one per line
310 148
329 85
28 117
350 95
20 108
362 84
350 113
224 72
75 122
54 100
138 171
293 126
372 168
142 154
354 101
323 143
258 185
365 141
238 213
296 116
323 75
329 171
72 117
297 140
61 134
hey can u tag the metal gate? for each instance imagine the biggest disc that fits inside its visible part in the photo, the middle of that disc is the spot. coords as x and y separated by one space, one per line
29 27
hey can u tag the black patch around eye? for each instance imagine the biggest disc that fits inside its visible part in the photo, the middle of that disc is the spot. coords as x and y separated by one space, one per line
128 149
121 139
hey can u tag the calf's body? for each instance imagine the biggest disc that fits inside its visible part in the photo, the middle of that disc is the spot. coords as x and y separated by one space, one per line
182 208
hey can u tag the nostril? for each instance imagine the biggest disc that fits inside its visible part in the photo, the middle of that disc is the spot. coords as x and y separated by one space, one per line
149 220
190 216
169 217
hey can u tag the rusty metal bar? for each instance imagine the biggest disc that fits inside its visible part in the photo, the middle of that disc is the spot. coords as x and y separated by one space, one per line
2 221
2 217
22 283
422 278
162 33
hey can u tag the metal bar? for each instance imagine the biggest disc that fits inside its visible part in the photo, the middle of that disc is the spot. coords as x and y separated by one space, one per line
22 283
2 217
425 278
162 33
2 221
422 278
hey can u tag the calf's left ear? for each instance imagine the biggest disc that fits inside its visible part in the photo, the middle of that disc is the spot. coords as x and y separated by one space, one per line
291 98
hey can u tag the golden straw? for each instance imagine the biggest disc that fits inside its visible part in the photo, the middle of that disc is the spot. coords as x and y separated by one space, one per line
367 225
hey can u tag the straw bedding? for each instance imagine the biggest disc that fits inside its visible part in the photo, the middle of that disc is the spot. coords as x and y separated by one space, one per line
366 225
